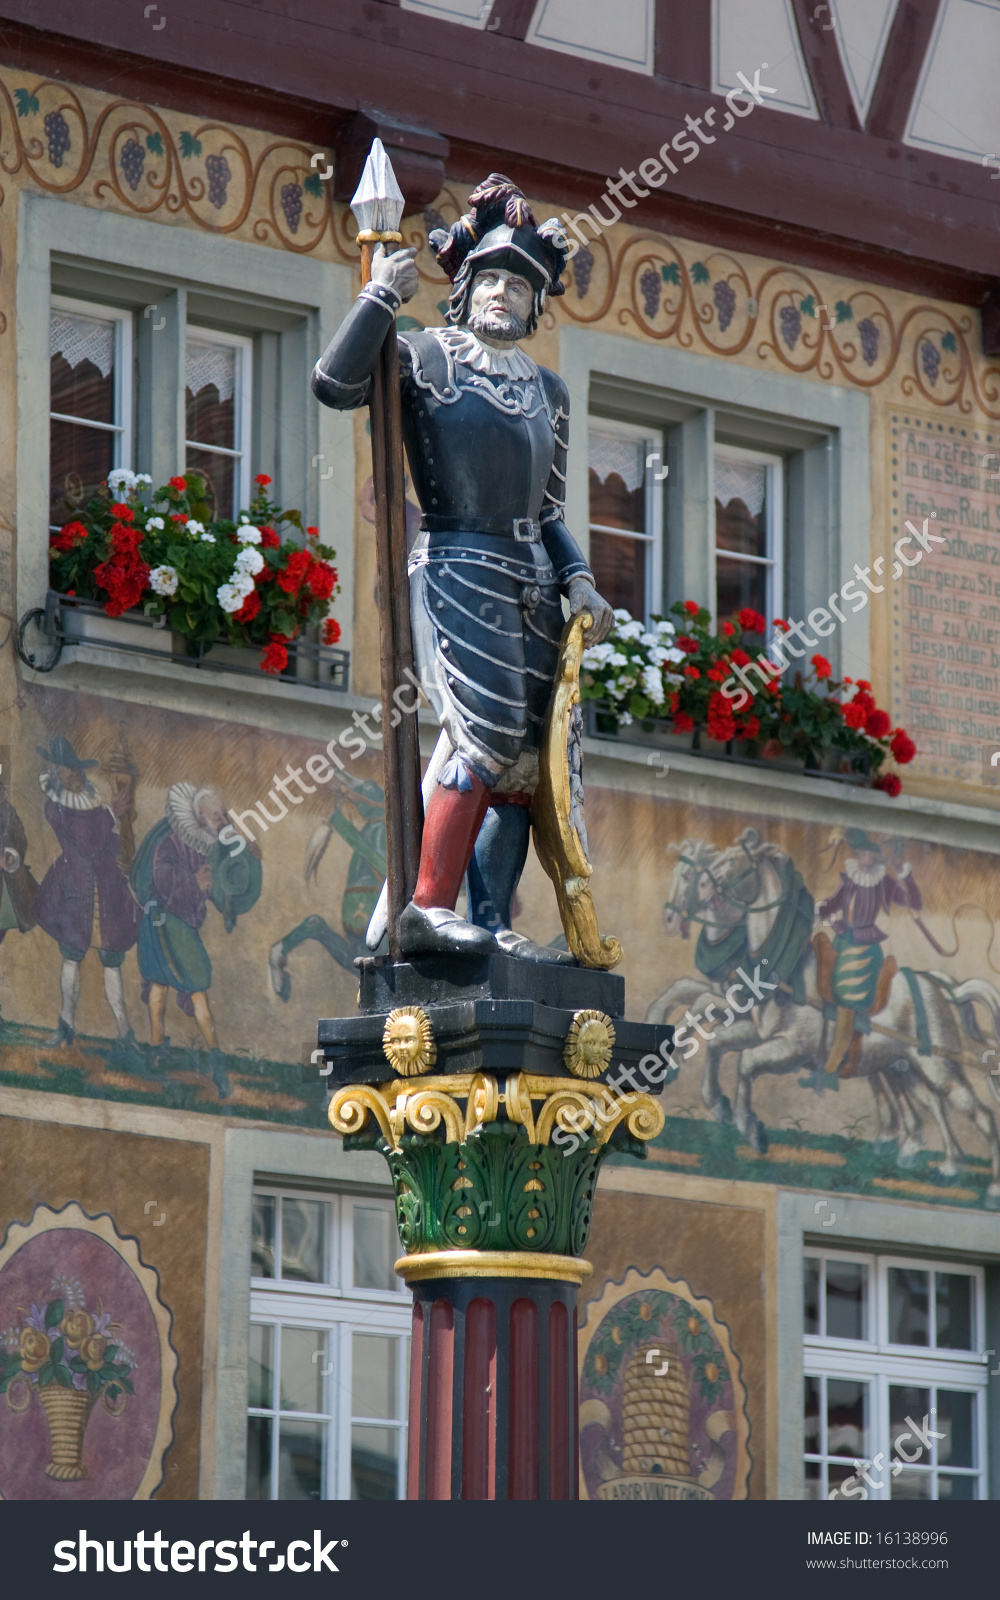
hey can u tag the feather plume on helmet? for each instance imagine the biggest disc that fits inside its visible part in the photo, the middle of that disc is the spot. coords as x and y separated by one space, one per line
500 230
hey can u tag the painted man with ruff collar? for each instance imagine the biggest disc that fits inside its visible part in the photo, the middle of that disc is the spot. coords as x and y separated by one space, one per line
85 885
486 435
180 868
867 891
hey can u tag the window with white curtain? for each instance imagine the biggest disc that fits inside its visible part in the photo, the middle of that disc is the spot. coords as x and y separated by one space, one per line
627 472
749 532
895 1383
218 390
329 1349
90 401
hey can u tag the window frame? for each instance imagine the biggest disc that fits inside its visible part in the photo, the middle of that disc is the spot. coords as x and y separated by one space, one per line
653 442
339 1309
774 499
882 1365
124 369
242 412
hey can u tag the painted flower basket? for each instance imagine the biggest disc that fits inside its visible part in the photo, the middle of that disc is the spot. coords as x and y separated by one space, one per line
67 1358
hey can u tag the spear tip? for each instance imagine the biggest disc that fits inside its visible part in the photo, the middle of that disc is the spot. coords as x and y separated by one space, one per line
378 201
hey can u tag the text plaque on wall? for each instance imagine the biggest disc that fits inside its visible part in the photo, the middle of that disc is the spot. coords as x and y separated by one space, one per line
945 597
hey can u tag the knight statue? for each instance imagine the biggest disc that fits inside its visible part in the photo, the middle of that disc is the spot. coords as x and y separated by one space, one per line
486 435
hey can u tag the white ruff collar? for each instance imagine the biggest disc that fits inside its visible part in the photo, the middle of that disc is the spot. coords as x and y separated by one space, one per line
87 800
865 879
184 818
464 347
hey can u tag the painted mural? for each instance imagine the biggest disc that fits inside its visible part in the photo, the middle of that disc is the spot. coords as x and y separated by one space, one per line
86 1364
834 988
662 1401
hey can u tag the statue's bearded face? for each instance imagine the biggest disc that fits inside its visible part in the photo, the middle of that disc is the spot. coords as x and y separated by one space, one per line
500 305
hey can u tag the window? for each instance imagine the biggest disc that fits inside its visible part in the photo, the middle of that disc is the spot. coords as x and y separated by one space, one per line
626 505
329 1349
90 401
749 532
895 1387
218 389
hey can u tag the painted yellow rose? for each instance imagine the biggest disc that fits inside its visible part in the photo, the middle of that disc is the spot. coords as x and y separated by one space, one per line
711 1372
34 1349
75 1326
92 1350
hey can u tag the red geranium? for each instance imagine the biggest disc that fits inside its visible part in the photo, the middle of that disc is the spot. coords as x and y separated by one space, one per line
902 747
751 621
889 784
178 483
748 728
717 674
685 642
263 479
249 609
682 722
692 673
854 715
877 724
322 579
123 512
69 534
295 572
779 622
178 516
720 723
823 667
692 607
728 629
274 658
269 539
331 631
863 683
740 658
312 533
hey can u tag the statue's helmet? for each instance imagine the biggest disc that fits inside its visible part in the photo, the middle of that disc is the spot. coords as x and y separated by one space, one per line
500 231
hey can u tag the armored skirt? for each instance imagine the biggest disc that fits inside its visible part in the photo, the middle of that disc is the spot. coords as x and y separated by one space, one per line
487 620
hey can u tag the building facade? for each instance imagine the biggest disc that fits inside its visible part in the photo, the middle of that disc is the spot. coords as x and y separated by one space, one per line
780 342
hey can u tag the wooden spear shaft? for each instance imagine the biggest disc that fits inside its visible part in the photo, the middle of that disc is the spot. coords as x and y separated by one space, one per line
400 743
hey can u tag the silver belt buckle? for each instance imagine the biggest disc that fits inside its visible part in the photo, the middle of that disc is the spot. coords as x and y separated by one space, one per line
526 531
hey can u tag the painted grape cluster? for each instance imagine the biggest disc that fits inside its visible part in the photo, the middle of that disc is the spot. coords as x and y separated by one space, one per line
217 168
57 135
291 204
133 161
649 286
791 325
724 296
930 360
868 334
583 268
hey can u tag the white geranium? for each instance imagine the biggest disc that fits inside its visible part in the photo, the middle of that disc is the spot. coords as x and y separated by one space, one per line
652 685
624 718
617 659
163 580
155 522
242 581
630 630
143 477
121 479
596 656
192 527
623 616
250 560
207 538
248 534
229 597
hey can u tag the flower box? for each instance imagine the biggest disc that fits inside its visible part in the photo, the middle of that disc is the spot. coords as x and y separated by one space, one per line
69 621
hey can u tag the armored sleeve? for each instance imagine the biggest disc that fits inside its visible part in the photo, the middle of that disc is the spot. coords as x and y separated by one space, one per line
562 549
342 377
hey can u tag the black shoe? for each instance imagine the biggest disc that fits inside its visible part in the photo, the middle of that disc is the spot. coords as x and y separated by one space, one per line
64 1035
516 944
216 1065
439 932
125 1053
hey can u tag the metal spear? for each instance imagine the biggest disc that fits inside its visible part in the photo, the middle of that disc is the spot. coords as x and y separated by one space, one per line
378 207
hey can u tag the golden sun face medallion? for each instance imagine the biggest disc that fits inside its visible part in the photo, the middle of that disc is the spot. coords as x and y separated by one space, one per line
589 1043
408 1041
